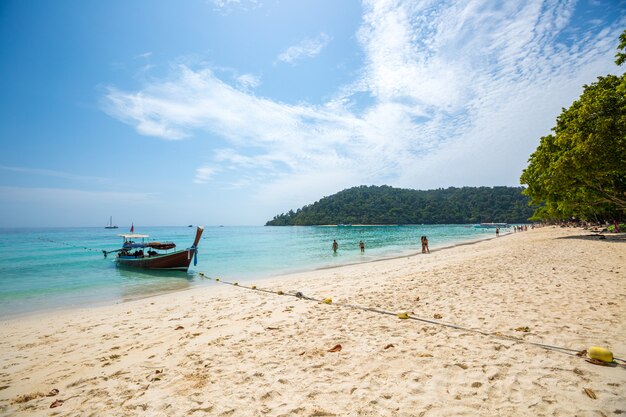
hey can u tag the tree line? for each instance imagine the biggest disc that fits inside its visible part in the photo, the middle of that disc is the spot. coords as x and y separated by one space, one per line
389 205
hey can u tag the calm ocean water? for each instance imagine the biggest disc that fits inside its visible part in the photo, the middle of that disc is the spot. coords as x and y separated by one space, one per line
43 269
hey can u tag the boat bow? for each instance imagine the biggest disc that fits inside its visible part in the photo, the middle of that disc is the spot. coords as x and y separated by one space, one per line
194 247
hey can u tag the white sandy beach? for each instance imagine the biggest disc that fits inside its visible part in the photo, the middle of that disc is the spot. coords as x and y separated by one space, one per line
232 351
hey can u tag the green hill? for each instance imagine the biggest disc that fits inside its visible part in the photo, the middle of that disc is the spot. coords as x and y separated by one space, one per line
388 205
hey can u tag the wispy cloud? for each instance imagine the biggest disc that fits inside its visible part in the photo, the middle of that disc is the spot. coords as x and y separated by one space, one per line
52 173
204 174
460 93
68 196
198 99
144 55
307 48
227 6
248 81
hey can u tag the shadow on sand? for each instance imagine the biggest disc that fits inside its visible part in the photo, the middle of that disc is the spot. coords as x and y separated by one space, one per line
605 237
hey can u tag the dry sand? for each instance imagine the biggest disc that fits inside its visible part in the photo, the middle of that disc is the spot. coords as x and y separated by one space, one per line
229 351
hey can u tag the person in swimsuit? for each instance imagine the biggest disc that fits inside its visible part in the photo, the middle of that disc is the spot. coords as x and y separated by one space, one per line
335 246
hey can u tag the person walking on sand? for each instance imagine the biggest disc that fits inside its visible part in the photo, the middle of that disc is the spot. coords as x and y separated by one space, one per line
425 245
362 246
335 246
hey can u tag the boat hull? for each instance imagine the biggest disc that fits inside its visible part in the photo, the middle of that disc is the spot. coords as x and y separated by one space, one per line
178 261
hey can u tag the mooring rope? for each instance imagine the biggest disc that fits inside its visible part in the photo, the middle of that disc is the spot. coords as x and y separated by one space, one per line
58 242
411 316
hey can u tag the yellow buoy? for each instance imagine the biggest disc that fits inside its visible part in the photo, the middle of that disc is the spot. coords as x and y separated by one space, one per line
403 315
327 300
600 353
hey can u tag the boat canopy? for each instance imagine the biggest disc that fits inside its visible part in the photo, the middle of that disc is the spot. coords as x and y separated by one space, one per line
129 242
161 245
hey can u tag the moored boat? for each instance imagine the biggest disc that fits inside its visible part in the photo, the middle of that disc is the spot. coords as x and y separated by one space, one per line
137 252
110 225
491 225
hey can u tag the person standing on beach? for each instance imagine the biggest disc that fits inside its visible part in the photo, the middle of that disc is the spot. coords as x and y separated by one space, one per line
497 231
425 245
335 246
362 246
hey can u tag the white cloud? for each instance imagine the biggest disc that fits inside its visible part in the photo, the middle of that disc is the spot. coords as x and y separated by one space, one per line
144 55
307 48
248 81
204 174
227 6
224 3
470 68
460 94
198 99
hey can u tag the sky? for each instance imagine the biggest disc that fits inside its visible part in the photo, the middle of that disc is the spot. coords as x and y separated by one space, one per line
228 112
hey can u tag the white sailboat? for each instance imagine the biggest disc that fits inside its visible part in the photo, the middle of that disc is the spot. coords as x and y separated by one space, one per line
110 225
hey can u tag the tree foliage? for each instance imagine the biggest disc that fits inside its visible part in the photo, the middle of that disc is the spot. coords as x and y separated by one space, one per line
388 205
580 169
621 56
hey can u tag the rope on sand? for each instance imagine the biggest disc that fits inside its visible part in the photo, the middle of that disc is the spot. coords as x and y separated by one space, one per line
411 316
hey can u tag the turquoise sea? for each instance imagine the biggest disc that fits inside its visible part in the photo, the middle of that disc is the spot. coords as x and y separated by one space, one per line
46 269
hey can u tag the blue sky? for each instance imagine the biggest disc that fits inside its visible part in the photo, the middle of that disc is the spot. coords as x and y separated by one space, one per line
231 111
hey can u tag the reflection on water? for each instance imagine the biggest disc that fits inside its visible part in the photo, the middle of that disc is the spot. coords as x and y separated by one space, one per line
141 283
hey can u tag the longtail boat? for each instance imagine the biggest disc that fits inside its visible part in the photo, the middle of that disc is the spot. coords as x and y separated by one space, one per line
139 253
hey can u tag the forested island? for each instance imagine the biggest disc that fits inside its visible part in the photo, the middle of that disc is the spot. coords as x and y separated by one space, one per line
389 205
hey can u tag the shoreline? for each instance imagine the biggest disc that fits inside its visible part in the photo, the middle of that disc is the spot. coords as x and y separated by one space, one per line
271 277
223 350
400 256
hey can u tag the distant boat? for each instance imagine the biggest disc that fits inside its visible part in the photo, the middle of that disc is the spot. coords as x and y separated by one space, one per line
155 256
491 225
110 225
191 225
